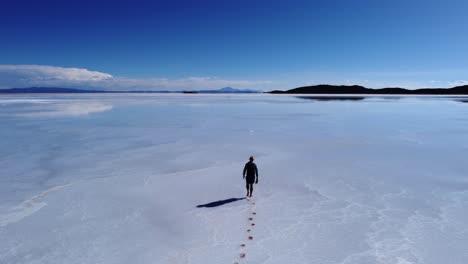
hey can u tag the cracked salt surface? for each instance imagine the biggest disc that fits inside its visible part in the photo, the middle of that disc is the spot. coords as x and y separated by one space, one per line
370 181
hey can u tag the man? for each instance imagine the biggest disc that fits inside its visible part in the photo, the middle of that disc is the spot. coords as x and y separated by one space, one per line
250 175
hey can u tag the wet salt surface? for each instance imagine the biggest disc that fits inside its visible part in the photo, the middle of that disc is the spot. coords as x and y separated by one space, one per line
117 178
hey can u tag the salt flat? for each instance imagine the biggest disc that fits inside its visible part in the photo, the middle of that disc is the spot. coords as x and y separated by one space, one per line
118 178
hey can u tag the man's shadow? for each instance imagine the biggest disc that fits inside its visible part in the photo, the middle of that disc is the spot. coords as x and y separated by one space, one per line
220 202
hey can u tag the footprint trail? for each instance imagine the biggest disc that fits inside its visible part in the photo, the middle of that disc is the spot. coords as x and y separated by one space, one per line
250 222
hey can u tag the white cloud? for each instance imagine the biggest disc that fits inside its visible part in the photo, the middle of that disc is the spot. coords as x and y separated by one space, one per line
458 83
52 73
20 76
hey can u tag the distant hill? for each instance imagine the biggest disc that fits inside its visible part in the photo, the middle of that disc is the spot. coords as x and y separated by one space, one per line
229 90
48 90
356 89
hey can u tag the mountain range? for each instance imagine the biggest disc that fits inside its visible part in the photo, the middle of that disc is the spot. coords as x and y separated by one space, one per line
314 89
356 89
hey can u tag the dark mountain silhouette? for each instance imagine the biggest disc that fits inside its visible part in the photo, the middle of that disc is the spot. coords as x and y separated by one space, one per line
356 89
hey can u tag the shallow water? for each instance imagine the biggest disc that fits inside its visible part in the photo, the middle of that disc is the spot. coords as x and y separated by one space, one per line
117 178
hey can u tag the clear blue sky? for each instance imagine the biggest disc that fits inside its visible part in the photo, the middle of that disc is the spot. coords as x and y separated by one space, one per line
268 44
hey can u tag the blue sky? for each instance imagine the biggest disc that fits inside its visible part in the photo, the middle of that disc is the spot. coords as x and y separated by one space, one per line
247 44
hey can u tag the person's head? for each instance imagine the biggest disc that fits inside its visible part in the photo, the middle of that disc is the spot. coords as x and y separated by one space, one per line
251 158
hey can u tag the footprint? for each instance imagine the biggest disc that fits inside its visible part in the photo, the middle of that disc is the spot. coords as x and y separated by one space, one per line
252 224
254 213
250 237
242 245
242 255
250 218
248 230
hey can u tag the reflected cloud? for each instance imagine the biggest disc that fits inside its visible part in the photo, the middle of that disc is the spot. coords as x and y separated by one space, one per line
66 109
24 101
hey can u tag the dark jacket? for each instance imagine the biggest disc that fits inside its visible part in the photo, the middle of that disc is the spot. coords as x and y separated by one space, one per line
251 170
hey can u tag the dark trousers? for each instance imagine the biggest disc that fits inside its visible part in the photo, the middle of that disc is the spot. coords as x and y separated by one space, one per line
249 181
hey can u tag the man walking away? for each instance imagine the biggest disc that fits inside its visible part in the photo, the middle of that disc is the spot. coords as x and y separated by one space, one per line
250 175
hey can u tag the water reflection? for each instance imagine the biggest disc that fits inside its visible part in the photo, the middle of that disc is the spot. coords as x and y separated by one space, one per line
333 98
378 98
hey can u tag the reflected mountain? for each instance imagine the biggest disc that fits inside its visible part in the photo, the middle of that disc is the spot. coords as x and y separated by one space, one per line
389 97
332 98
